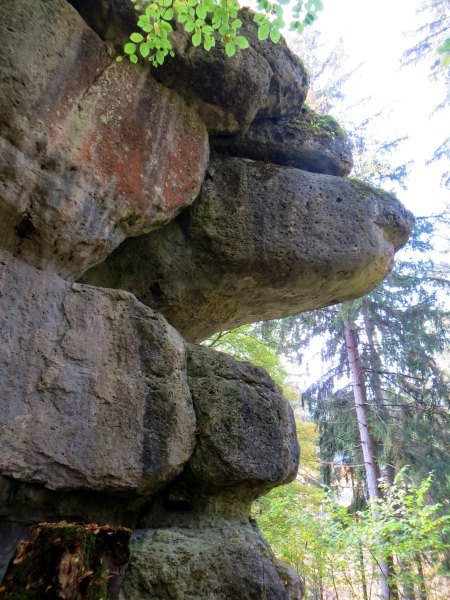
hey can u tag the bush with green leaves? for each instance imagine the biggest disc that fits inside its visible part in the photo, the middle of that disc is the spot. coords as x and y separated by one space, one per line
209 22
335 548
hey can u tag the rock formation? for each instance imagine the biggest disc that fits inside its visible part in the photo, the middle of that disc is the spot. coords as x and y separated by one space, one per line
261 241
108 415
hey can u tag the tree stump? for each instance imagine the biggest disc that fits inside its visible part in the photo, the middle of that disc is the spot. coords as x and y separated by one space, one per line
69 561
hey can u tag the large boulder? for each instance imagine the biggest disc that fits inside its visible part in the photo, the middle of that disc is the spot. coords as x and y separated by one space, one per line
93 385
306 141
264 81
261 242
246 443
246 437
231 560
87 159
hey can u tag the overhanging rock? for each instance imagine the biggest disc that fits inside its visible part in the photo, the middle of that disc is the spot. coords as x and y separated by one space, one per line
261 242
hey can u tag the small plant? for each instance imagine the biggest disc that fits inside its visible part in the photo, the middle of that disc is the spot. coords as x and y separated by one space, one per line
209 22
315 124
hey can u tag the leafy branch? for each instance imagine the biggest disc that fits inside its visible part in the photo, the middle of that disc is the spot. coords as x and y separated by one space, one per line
209 22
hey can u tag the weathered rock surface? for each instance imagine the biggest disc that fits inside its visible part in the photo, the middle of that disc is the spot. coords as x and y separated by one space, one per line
261 242
90 158
307 141
263 81
246 438
93 386
98 391
223 562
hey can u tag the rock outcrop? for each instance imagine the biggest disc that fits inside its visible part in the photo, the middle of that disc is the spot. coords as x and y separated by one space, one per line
91 151
226 561
108 415
94 386
266 81
260 242
307 141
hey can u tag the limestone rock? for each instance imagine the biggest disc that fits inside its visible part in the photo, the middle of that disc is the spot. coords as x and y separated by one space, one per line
307 141
91 151
261 242
93 386
266 80
220 563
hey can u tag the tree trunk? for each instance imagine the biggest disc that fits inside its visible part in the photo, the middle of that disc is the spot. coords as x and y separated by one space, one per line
359 394
362 570
422 588
383 415
69 561
388 592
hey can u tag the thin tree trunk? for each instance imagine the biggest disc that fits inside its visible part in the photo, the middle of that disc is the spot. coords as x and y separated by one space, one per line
422 588
388 592
383 414
362 570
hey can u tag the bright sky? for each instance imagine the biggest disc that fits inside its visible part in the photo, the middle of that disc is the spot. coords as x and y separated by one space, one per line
373 32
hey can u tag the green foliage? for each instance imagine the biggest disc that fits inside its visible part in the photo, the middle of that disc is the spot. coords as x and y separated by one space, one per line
319 125
243 344
209 21
406 523
334 547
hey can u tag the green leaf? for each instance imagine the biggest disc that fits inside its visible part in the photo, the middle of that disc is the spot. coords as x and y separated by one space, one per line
263 31
133 58
136 37
230 49
197 39
236 24
119 58
201 11
275 35
168 15
190 26
129 48
144 49
278 23
241 42
160 57
166 26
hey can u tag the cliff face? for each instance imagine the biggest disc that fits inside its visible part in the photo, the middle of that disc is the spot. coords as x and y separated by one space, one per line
120 238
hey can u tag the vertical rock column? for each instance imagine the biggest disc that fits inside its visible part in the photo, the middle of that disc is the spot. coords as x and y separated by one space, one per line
196 540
